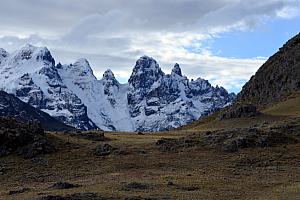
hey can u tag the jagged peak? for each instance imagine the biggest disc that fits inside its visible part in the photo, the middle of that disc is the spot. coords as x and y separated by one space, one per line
109 80
176 70
82 65
108 74
82 62
220 88
146 62
29 51
34 49
145 57
145 72
201 80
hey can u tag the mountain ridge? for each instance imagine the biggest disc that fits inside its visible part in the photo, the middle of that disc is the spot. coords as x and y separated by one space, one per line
150 101
277 78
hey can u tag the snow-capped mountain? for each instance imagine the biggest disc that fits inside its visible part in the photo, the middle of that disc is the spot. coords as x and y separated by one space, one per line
150 101
32 76
157 101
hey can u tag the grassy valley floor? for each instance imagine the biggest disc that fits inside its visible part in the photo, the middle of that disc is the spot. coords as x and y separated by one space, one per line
138 169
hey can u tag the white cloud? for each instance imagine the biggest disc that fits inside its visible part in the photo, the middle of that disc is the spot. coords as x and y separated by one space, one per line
113 34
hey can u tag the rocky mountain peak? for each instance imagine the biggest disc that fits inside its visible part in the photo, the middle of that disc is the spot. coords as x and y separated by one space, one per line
82 67
109 79
82 62
176 70
108 74
145 72
150 101
30 52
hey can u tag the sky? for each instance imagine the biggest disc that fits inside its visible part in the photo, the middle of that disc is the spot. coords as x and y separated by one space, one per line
224 41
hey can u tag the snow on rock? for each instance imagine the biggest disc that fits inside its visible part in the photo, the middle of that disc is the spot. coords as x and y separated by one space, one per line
150 101
3 55
163 102
32 76
176 70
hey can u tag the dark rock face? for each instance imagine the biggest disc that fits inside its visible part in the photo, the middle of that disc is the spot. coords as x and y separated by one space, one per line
239 111
277 78
111 86
10 106
176 70
145 73
27 140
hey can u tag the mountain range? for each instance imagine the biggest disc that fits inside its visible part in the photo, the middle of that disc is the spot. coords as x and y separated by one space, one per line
150 101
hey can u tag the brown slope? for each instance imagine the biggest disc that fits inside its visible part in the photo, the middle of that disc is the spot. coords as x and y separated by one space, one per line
277 78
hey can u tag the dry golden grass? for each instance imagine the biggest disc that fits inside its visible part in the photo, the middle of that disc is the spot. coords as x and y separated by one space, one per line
290 107
254 173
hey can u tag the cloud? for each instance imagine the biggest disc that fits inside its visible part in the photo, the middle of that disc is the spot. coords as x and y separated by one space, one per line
113 34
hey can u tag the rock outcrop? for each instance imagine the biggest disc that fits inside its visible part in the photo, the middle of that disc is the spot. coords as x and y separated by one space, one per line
26 139
277 78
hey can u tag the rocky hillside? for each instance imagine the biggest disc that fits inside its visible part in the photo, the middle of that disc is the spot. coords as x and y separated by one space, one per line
27 139
277 78
150 101
10 106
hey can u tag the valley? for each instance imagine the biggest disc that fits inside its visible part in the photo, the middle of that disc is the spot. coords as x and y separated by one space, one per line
159 136
139 169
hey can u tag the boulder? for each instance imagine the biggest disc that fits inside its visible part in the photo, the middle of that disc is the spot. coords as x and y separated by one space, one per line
27 139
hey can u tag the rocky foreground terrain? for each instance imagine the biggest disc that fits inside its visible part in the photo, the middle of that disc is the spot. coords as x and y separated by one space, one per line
238 158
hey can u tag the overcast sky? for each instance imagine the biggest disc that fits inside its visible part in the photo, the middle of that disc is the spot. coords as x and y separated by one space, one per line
224 41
